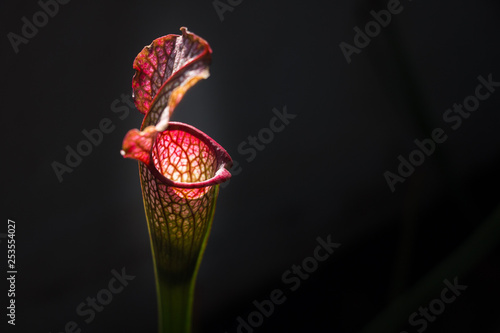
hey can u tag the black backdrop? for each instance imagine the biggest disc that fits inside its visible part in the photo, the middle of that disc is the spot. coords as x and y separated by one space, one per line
322 175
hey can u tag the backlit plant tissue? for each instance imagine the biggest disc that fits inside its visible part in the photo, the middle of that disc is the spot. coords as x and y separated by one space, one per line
180 168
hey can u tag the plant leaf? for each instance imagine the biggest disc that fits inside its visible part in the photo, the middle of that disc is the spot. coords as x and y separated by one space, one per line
165 70
180 169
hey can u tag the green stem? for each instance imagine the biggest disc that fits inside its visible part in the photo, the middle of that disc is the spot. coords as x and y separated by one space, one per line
177 257
175 302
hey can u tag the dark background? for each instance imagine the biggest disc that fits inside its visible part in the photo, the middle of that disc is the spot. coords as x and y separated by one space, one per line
322 175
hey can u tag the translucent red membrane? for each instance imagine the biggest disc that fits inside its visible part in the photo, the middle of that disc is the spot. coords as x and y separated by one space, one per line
182 157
